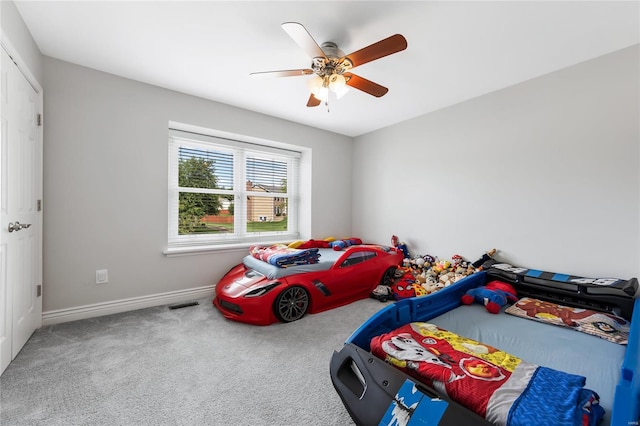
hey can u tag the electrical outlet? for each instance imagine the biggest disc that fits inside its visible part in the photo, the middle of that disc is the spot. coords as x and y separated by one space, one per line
102 276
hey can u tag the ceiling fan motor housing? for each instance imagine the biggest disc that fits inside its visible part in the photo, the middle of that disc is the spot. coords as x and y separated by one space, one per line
334 63
331 50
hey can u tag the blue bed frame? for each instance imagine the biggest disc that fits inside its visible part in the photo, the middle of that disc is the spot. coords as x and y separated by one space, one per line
368 386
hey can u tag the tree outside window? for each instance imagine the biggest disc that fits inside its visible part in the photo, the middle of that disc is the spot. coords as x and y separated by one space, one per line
196 172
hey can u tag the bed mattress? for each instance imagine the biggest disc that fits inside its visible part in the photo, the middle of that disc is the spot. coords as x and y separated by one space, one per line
326 260
555 347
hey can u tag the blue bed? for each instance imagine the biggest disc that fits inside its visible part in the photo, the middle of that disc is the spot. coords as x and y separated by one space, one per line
369 387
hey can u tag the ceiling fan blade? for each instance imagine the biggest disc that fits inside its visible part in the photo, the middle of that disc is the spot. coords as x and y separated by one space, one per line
313 101
282 73
301 36
378 50
365 85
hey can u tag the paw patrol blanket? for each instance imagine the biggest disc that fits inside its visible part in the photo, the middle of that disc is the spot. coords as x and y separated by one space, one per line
498 386
283 256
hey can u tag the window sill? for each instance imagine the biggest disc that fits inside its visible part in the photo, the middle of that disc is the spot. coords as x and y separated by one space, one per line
191 250
187 250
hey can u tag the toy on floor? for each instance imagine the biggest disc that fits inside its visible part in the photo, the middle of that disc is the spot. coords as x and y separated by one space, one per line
395 242
404 287
488 255
381 293
493 296
421 275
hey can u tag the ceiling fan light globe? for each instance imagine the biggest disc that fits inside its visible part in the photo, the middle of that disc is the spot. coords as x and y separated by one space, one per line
323 94
336 83
315 84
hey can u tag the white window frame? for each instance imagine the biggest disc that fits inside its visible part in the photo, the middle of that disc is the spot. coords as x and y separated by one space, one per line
240 146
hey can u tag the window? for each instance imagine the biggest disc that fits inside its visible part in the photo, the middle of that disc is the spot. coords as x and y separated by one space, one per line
357 257
230 192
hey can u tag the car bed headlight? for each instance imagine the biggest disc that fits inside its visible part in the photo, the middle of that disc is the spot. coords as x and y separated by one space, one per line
262 290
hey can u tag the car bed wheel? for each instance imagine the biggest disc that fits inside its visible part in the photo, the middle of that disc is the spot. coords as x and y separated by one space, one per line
291 304
388 277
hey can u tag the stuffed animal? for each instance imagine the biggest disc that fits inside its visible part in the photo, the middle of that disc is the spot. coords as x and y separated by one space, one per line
446 278
441 266
456 260
419 290
470 270
493 296
344 243
311 244
431 273
404 287
485 257
381 293
418 262
395 242
431 285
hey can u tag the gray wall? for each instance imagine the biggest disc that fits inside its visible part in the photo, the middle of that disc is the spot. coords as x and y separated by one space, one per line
20 38
105 184
546 171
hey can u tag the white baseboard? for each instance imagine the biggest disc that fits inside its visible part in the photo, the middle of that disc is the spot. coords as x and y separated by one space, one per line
124 305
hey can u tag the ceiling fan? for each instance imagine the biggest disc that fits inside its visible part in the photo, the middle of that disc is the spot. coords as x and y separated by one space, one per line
332 67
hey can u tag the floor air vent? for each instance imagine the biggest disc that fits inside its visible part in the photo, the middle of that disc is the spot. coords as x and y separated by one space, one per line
183 305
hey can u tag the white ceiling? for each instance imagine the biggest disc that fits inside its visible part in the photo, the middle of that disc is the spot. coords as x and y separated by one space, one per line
456 50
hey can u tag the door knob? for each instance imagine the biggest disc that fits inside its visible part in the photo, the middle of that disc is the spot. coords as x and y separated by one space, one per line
18 226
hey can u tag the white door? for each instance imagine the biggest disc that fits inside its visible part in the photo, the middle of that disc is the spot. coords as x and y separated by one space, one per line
21 221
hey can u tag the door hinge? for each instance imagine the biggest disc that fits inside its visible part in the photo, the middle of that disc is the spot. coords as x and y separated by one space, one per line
39 119
39 205
39 290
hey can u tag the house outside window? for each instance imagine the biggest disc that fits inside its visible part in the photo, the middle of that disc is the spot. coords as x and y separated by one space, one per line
226 191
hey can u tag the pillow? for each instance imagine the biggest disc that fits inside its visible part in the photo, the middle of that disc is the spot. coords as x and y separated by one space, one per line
606 326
